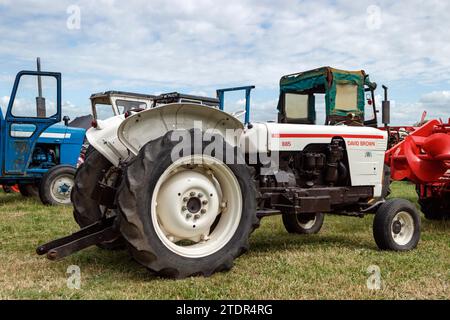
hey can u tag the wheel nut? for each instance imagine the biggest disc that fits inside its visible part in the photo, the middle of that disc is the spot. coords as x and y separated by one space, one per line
185 199
203 211
183 208
188 215
192 194
200 195
196 216
204 202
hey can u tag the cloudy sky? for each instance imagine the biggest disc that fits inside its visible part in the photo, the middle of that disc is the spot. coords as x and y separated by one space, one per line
196 46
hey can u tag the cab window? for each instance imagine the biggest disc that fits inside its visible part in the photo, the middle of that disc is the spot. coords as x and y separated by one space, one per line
346 97
296 106
127 105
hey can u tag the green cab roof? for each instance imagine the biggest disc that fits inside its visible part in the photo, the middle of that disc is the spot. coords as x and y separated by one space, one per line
324 80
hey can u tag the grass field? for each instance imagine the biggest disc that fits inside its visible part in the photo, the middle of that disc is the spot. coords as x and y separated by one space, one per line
330 265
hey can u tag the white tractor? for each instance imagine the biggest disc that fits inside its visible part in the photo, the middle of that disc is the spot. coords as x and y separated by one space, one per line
183 185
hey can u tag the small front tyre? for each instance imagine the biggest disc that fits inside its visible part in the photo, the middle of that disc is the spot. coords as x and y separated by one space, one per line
396 226
56 185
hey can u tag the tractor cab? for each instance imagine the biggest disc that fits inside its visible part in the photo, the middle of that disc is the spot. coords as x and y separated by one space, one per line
34 105
349 97
112 103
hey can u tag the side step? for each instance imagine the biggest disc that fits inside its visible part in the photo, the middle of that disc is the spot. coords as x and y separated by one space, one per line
101 231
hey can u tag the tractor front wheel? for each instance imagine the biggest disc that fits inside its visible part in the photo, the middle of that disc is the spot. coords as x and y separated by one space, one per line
396 226
56 185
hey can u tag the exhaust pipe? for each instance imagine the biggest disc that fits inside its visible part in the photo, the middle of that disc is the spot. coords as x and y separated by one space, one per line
40 100
386 108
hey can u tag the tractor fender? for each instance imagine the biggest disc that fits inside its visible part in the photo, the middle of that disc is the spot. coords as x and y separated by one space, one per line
151 124
104 139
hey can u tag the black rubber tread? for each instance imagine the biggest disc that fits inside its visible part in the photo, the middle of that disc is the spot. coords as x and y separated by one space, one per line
134 202
29 190
47 178
383 221
386 190
434 209
86 210
291 223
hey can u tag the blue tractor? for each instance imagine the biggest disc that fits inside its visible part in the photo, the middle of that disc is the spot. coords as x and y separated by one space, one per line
37 153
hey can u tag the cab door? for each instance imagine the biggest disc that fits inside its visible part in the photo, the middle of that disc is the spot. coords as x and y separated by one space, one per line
34 105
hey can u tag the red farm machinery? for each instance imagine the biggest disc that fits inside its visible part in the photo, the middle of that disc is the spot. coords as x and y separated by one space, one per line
423 158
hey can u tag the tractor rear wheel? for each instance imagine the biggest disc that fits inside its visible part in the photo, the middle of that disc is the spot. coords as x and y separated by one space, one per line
303 223
386 189
56 185
29 190
396 225
186 217
434 209
86 210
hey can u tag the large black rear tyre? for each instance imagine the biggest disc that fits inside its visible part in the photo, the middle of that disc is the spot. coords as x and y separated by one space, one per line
143 214
386 190
87 210
434 209
29 190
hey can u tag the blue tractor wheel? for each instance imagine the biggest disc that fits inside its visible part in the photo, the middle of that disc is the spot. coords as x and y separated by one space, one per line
56 185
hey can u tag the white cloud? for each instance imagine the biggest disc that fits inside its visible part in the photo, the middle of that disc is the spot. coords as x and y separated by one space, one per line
200 45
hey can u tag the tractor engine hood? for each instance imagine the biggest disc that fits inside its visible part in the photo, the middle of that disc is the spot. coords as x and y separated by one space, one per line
266 137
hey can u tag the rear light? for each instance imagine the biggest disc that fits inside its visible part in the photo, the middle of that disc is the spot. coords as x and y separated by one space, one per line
94 123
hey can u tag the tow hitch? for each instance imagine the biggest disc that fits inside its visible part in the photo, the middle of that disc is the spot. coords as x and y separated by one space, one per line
101 231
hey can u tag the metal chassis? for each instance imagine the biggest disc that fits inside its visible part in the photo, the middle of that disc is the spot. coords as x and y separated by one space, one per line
351 201
347 200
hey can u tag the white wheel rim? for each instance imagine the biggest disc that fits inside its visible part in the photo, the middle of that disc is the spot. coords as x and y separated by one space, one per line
60 189
309 224
402 228
186 201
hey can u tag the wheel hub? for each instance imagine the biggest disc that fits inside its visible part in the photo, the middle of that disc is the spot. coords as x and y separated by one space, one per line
194 204
190 202
402 228
64 188
396 227
198 199
61 188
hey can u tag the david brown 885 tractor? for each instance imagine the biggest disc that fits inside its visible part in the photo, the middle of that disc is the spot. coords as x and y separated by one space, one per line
184 185
38 154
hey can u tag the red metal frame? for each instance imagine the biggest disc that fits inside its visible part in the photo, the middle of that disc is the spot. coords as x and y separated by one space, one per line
423 157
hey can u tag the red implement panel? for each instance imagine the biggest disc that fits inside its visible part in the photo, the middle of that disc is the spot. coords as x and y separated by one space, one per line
423 156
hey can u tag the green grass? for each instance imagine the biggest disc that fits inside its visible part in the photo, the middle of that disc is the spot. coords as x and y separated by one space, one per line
330 265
